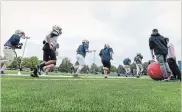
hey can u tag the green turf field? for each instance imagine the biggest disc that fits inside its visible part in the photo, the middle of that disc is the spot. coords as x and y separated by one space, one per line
23 94
52 73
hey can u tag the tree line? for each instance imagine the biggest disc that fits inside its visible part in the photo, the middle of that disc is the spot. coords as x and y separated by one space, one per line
67 67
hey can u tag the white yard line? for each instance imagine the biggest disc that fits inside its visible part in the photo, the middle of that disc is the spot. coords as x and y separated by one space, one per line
62 76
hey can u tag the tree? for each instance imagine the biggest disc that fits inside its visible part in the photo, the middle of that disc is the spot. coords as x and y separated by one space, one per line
65 66
101 69
40 61
30 62
145 65
26 63
55 69
113 69
33 62
121 69
15 64
94 69
85 69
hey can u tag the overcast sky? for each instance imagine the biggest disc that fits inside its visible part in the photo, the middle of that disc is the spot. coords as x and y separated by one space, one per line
125 26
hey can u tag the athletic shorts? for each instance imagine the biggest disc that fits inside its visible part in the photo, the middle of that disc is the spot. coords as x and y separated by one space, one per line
9 55
80 59
48 54
106 64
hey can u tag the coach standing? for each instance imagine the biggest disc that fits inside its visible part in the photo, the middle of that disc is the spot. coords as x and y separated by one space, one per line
158 45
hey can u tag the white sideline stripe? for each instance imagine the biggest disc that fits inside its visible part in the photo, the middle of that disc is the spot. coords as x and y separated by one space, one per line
62 76
2 61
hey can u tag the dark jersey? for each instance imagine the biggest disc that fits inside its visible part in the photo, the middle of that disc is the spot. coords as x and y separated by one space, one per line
158 44
127 61
82 49
105 54
13 41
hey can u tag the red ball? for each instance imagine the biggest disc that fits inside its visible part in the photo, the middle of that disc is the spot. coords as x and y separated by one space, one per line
154 71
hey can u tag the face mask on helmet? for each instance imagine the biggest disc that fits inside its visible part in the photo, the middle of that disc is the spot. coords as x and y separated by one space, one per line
57 29
20 33
55 32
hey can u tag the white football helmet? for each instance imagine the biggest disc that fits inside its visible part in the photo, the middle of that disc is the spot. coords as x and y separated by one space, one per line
19 32
85 41
57 30
138 54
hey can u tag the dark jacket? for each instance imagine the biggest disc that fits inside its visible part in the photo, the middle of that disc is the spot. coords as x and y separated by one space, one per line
158 44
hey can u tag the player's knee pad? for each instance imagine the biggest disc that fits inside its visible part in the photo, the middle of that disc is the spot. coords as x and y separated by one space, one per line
105 68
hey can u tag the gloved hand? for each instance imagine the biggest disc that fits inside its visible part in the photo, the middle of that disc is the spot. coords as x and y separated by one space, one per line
20 44
153 57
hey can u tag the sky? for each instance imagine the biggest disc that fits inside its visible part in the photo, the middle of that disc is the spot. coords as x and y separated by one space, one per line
125 25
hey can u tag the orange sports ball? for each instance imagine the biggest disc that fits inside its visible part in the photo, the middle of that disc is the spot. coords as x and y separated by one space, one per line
154 71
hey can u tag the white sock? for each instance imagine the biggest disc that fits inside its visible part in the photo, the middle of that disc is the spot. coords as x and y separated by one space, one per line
79 69
3 67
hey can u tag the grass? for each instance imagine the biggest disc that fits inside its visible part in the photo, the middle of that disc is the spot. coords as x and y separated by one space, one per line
25 94
52 73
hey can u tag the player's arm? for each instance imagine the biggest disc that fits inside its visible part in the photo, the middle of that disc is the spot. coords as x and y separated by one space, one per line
111 53
140 59
49 41
171 47
24 37
86 48
151 45
152 54
100 54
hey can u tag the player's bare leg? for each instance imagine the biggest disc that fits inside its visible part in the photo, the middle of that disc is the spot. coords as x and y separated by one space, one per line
105 72
42 65
48 68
